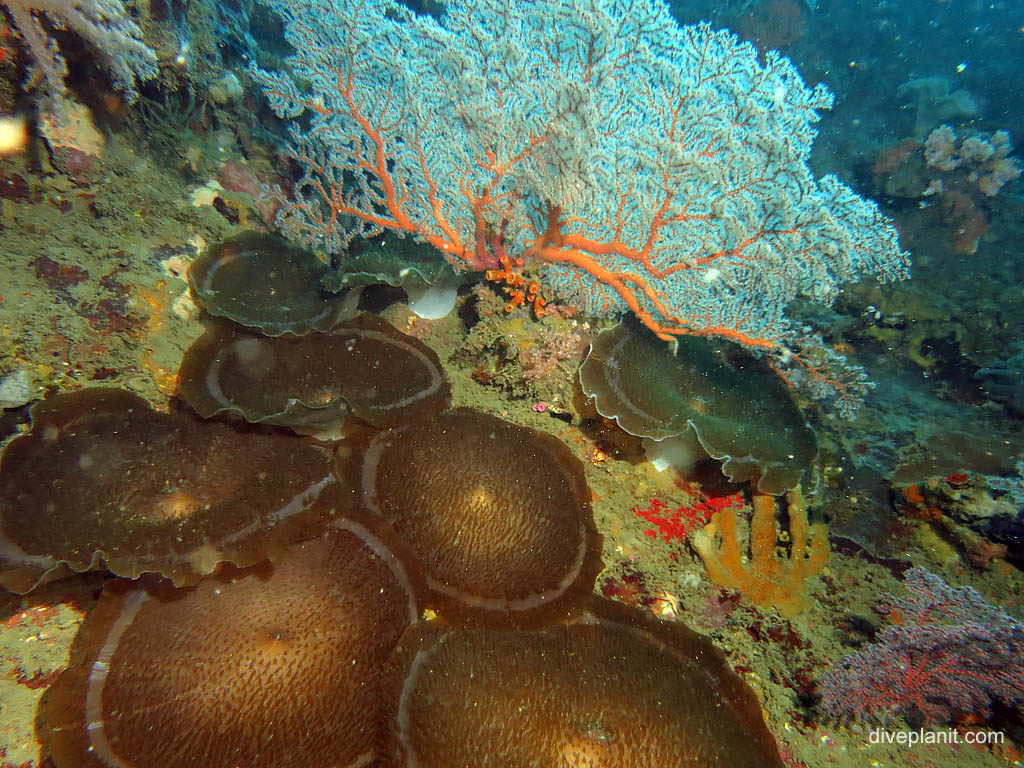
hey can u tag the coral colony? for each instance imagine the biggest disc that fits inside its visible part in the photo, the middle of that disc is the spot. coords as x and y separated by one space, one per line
103 23
262 598
946 654
300 664
633 163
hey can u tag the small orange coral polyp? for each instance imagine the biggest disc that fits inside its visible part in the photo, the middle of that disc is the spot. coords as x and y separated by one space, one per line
265 667
495 517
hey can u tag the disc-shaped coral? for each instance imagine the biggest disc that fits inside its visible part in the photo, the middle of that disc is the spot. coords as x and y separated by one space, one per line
278 670
104 478
364 368
264 282
745 417
496 516
612 688
421 270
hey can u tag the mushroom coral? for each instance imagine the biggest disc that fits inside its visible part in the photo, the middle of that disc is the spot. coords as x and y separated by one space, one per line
611 688
495 516
103 478
745 417
483 525
363 368
266 283
249 668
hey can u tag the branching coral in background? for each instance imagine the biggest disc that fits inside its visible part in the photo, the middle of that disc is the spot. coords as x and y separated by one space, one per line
768 578
104 24
984 160
962 175
981 163
948 653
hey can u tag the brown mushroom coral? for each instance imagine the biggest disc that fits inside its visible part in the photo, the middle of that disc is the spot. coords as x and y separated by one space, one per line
104 478
262 281
496 516
740 412
612 688
364 367
278 670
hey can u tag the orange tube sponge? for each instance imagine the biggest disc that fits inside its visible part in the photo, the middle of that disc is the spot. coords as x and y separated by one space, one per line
767 578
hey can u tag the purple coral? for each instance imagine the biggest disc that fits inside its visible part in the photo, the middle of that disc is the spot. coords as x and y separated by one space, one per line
946 654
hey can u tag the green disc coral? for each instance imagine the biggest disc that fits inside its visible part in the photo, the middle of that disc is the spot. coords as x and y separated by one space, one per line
264 282
392 260
746 416
313 384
